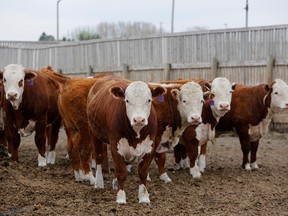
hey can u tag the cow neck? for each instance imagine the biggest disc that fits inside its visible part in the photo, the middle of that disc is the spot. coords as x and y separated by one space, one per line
208 116
174 119
260 109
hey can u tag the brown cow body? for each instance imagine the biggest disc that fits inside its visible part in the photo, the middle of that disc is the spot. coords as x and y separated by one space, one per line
110 123
39 104
251 112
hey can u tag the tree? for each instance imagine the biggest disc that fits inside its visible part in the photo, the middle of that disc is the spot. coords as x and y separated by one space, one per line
45 37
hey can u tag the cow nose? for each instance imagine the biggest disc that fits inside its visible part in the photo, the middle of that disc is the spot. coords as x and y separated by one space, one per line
196 119
224 106
139 121
12 96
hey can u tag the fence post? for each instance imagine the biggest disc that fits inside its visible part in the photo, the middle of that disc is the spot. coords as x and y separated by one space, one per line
90 71
167 70
125 71
270 66
214 68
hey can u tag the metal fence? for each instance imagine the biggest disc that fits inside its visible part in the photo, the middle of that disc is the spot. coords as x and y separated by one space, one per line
244 55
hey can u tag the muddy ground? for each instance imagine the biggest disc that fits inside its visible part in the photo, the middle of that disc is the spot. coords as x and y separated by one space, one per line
224 188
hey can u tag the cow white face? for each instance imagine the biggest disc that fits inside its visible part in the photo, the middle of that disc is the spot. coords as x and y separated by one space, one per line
13 78
222 90
190 102
279 95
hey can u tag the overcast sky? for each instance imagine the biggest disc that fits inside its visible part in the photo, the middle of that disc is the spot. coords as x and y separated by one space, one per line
27 19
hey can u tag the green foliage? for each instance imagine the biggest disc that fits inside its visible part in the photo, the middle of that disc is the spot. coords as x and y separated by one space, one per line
45 37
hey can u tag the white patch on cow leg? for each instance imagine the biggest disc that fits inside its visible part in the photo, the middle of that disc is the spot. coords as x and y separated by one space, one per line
115 184
99 181
247 167
121 197
93 164
79 176
178 166
195 172
202 163
185 163
129 167
89 177
51 157
67 156
9 155
41 161
148 177
164 177
143 194
254 166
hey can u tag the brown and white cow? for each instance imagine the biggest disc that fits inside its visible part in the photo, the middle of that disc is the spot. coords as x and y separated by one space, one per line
251 113
29 96
179 108
120 112
198 135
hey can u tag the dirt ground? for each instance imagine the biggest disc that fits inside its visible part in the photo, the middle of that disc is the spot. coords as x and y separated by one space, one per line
224 188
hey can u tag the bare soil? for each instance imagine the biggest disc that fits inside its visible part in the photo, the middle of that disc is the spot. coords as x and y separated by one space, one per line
224 188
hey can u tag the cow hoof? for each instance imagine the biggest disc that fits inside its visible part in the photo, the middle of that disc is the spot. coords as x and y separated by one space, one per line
89 177
41 161
195 172
247 167
164 177
51 157
115 184
121 197
79 176
93 164
148 178
202 163
143 194
254 166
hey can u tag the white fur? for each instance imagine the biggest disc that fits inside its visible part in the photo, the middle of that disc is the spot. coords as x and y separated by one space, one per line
195 172
89 177
279 95
148 177
139 99
41 161
51 157
143 194
79 176
247 167
13 74
164 177
129 167
201 163
115 183
254 166
99 181
93 164
121 197
130 153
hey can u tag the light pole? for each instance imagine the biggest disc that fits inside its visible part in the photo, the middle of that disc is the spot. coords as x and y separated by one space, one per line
58 1
172 19
246 8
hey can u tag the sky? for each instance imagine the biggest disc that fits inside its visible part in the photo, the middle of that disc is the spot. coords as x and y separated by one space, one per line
26 20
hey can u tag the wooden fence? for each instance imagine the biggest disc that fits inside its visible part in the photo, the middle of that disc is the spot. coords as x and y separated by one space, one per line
245 55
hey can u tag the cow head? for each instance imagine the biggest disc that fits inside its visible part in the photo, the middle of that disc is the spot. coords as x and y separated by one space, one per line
221 89
13 78
279 95
190 102
138 100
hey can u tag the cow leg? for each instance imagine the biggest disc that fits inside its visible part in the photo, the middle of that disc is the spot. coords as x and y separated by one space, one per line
13 141
254 148
192 150
202 157
181 158
143 173
40 140
245 146
73 152
99 157
121 173
52 140
85 149
160 159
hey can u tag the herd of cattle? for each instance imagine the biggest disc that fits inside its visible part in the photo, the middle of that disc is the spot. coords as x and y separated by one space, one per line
140 121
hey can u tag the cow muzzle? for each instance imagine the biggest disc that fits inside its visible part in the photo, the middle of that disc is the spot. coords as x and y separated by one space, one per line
224 107
139 121
12 96
196 119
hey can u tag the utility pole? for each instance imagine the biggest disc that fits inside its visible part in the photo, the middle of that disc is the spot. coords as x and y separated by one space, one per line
58 1
246 8
172 19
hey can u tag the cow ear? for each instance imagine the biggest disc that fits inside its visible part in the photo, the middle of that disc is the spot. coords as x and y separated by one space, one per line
233 86
267 88
175 94
158 91
208 86
1 74
29 75
117 92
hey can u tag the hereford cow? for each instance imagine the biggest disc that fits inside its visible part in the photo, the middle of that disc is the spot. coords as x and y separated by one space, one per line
251 113
180 107
29 96
120 113
199 135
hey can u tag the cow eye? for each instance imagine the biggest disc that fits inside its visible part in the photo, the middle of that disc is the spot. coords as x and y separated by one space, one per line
184 101
276 93
149 100
4 80
20 83
127 101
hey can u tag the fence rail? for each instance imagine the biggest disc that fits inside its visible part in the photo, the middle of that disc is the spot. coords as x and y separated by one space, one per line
243 55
